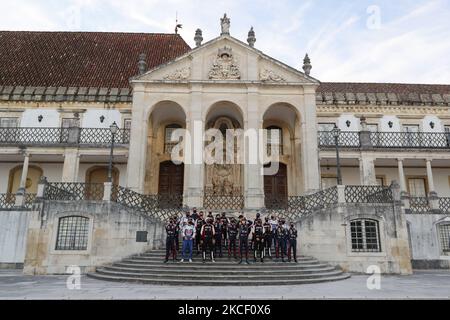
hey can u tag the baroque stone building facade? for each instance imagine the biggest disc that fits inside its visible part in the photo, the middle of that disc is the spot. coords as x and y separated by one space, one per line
60 92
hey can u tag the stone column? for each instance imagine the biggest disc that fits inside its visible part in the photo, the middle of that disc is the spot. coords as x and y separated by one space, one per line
194 165
138 141
310 151
20 194
71 165
253 172
401 178
367 170
432 195
430 178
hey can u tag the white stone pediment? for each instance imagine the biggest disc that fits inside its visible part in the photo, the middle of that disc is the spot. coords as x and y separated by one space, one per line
226 59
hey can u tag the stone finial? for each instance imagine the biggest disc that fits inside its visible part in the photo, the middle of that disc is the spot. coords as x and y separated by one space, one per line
307 65
198 37
251 37
142 64
225 24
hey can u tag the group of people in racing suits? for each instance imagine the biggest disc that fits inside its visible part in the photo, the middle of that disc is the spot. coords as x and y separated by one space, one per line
237 237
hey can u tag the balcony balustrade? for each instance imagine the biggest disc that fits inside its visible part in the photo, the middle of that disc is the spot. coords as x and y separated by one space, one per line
30 136
381 140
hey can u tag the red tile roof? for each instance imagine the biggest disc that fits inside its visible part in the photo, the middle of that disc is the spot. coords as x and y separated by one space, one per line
81 59
397 88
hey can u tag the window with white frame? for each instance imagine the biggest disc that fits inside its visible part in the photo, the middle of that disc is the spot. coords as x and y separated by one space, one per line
365 235
9 122
69 122
73 232
168 143
127 124
444 237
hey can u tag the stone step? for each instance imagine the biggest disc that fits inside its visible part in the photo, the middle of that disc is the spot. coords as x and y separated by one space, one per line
219 259
227 277
202 282
221 267
248 271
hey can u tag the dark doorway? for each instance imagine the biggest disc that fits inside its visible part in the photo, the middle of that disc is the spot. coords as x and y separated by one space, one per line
275 188
170 190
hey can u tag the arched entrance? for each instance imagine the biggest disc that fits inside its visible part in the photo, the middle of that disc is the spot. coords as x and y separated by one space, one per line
275 188
99 174
171 177
33 176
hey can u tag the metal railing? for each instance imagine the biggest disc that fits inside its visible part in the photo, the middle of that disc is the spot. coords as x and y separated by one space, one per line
153 205
103 136
8 201
74 191
444 204
51 136
377 140
368 194
295 207
419 205
347 139
413 140
223 202
33 136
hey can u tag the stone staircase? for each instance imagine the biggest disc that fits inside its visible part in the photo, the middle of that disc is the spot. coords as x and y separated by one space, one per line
149 268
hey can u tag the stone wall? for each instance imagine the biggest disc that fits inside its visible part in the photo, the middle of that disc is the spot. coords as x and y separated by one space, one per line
13 235
425 243
111 236
325 235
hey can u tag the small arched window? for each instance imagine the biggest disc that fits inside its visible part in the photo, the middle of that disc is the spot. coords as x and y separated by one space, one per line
444 237
168 144
274 136
365 235
73 233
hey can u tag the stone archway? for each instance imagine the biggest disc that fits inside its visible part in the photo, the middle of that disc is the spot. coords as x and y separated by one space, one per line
99 174
33 176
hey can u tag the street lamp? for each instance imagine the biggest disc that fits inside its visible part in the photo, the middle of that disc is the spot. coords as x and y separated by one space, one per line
336 132
113 128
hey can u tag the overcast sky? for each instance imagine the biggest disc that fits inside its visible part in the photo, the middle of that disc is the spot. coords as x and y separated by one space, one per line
362 41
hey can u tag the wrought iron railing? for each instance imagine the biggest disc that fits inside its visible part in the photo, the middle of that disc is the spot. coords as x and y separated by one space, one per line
51 136
33 136
368 194
8 200
444 204
158 206
419 205
347 139
103 136
223 202
414 140
296 207
74 191
410 140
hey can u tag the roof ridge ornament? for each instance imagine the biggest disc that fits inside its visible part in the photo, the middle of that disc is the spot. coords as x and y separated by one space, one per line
142 64
198 37
251 37
307 65
225 25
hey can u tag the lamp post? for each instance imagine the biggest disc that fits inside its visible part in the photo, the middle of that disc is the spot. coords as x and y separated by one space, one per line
336 132
113 128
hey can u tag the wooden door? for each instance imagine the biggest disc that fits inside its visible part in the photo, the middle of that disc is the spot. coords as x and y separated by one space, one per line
171 177
275 188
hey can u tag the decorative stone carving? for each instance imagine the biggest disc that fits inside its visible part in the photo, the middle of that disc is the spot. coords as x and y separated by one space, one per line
224 66
269 75
179 74
221 179
225 24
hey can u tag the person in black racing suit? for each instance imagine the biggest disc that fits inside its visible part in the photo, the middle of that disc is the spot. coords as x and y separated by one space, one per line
171 238
244 231
292 236
198 230
267 237
258 240
232 230
280 236
207 235
218 228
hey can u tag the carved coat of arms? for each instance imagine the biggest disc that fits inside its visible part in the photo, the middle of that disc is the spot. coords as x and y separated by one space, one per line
224 66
